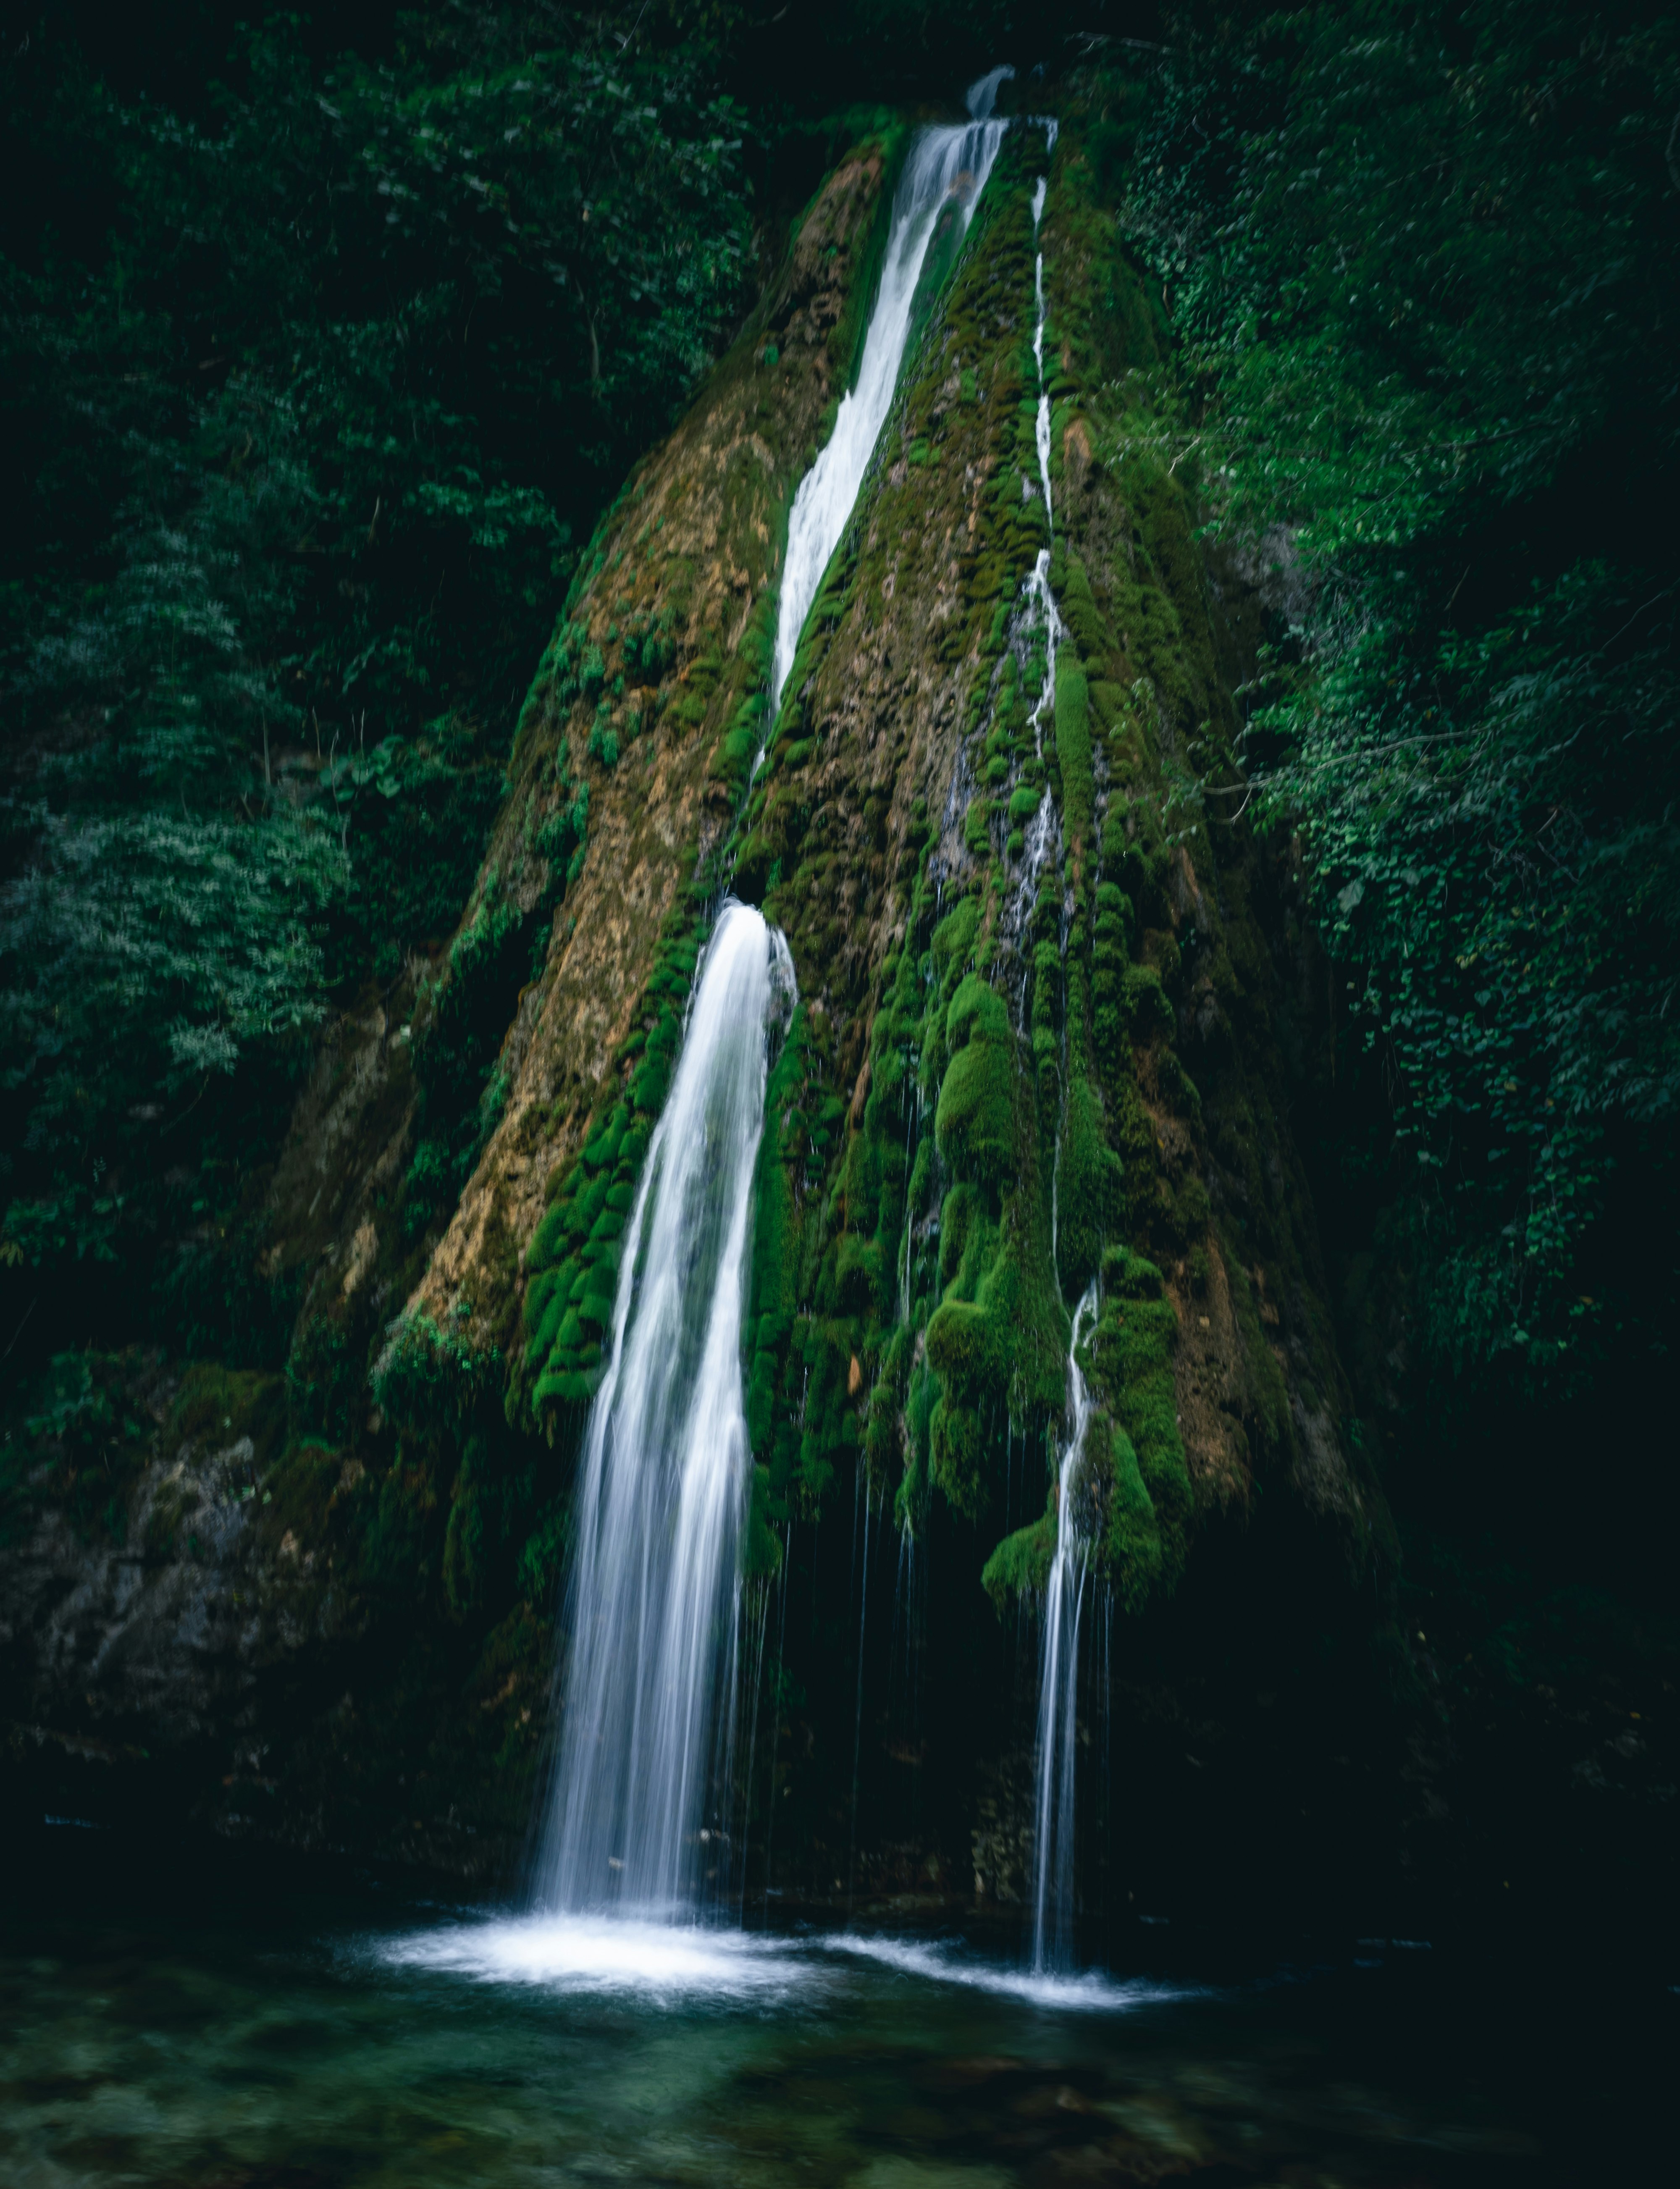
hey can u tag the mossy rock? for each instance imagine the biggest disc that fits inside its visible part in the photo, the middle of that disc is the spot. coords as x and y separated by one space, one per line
1021 1564
975 1125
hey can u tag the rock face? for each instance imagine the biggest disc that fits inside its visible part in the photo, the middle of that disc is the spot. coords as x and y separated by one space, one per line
156 1624
1037 1050
162 1633
1036 1044
643 719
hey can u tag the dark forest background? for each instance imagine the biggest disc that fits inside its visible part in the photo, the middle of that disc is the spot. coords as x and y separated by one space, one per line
324 340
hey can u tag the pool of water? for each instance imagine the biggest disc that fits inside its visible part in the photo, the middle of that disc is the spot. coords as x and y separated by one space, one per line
256 2034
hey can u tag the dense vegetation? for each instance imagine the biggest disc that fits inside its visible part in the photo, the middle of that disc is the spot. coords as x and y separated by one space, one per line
1424 263
310 383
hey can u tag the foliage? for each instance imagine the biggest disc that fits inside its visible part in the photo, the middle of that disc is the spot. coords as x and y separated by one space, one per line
72 1438
310 376
161 915
1424 260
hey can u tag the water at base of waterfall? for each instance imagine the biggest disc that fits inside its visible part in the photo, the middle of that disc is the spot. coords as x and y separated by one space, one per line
636 1818
221 2018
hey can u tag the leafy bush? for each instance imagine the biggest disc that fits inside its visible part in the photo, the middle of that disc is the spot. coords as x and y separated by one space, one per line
1424 258
311 376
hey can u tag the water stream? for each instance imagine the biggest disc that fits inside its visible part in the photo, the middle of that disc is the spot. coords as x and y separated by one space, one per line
1055 1787
947 166
1042 426
647 1717
1059 1678
1043 834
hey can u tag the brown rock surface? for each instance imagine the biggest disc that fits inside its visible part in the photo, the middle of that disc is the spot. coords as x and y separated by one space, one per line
695 545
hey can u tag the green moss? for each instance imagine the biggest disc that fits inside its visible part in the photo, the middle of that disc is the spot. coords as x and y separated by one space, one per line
1021 1564
975 1126
860 1276
1131 1549
921 1402
1148 1012
603 745
572 1262
1073 746
967 1350
906 1315
762 1553
1090 1190
1132 1351
957 1455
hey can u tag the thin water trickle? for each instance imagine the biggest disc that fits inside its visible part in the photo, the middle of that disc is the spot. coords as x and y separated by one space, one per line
1058 1689
947 166
648 1718
904 1670
857 1718
763 1623
1044 832
775 1712
1053 1884
1040 430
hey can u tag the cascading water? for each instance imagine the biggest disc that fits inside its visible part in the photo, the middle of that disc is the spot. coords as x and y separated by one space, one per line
1041 832
648 1713
946 166
1058 1685
655 1584
1064 1599
1041 427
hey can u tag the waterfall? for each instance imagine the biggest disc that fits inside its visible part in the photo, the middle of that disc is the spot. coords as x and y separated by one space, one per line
1042 834
1042 425
653 1593
946 166
1057 1682
648 1714
1055 1788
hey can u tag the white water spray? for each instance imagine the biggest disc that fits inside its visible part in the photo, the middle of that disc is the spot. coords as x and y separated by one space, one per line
1058 1689
947 166
647 1723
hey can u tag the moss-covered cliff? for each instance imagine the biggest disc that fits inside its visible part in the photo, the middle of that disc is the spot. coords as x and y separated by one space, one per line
1036 1050
290 1411
1035 1045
